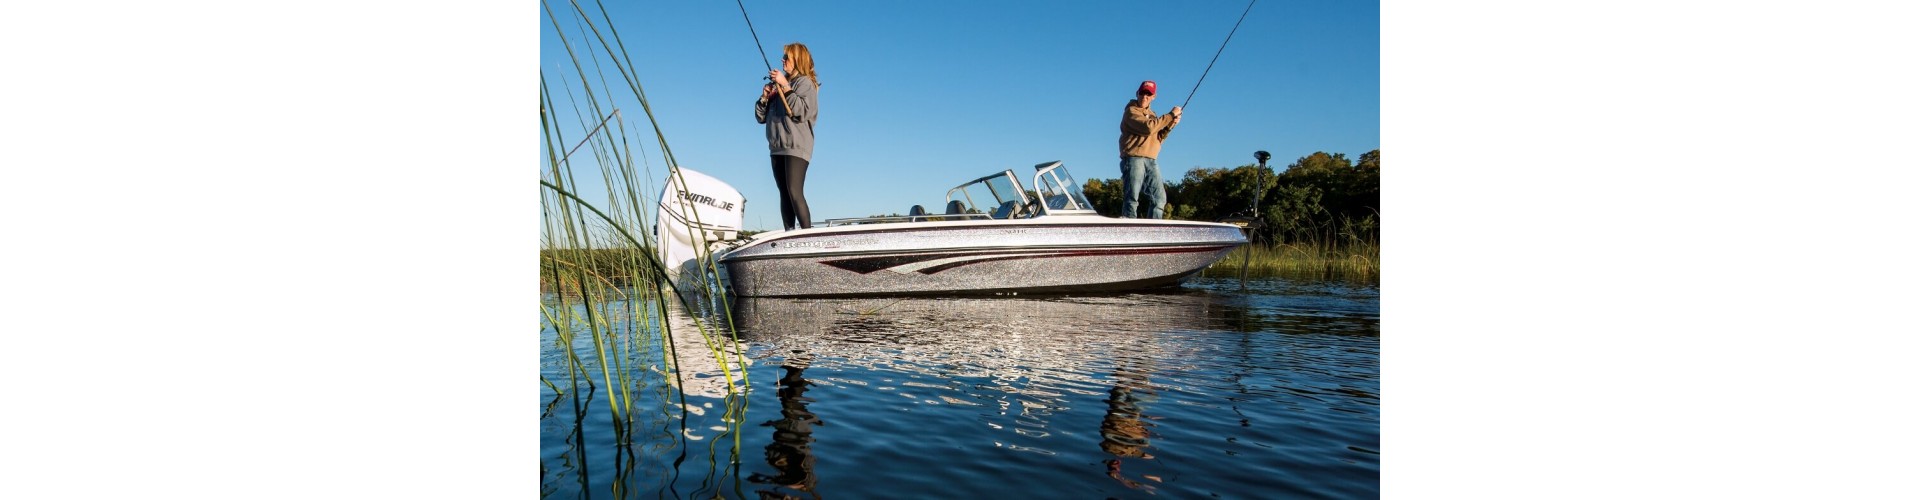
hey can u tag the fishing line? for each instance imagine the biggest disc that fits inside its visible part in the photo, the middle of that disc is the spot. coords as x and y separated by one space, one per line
1216 54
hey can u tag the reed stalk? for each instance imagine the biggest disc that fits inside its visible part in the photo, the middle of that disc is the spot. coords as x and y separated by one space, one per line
605 294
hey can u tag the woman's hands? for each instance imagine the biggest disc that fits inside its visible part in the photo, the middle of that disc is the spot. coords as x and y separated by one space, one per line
779 80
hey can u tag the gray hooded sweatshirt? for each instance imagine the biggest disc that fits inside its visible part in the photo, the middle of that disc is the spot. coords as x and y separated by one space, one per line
791 133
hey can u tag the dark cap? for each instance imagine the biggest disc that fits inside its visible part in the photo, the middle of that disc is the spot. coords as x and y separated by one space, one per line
1146 87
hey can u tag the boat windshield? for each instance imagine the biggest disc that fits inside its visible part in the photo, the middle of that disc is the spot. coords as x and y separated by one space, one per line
999 195
1057 188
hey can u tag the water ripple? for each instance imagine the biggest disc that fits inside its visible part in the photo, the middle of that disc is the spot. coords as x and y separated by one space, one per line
1202 392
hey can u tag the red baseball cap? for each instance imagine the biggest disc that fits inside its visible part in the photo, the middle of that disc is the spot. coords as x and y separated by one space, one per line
1146 87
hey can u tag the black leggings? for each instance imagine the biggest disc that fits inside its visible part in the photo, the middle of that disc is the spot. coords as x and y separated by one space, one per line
790 175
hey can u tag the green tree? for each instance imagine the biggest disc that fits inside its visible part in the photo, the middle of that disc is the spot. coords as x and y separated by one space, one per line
1321 197
1326 197
1369 161
1104 194
1218 193
1291 213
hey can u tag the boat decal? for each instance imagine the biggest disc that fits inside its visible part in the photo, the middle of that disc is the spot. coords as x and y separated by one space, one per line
935 263
864 265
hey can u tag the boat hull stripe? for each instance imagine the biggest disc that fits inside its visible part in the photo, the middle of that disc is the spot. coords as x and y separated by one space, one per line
912 263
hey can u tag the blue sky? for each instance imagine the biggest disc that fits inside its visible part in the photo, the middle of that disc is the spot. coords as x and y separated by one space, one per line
918 97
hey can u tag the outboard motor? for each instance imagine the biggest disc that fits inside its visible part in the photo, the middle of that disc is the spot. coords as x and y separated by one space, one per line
694 219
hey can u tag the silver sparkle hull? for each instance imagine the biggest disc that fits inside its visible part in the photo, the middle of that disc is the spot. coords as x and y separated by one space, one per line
1053 254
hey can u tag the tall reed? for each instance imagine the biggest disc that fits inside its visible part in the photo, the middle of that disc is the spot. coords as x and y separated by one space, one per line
605 296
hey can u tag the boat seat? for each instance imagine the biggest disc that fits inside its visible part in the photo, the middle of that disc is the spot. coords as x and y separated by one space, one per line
917 211
956 207
1008 210
1057 202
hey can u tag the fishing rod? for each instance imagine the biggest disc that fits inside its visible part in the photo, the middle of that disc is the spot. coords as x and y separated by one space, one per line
1216 54
768 63
756 36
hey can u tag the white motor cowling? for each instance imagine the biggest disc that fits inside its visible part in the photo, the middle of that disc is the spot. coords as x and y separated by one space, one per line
694 216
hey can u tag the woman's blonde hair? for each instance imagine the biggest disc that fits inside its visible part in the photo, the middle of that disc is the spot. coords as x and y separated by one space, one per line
802 61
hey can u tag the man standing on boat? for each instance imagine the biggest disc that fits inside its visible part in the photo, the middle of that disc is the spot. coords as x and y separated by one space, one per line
1141 133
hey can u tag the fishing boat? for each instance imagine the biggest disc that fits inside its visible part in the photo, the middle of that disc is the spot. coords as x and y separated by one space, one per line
993 236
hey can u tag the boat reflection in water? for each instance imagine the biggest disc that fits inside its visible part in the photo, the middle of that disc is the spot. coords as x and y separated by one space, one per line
1015 364
707 362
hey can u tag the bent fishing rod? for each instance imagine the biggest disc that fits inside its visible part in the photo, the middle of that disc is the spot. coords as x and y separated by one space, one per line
769 64
1216 54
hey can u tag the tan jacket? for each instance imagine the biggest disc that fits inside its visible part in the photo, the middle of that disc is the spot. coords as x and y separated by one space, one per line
1141 132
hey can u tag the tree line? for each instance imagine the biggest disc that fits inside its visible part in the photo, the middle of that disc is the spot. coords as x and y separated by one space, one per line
1321 198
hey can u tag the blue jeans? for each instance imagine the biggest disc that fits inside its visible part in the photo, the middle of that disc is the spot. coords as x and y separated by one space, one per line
1137 174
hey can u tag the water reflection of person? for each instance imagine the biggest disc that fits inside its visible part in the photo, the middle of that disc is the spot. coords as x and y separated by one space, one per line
1123 434
791 452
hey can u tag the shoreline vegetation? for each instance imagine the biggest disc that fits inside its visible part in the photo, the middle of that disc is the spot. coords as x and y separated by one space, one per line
1355 262
604 268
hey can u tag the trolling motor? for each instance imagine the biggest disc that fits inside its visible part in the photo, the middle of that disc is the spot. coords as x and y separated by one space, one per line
1262 156
1249 224
1252 221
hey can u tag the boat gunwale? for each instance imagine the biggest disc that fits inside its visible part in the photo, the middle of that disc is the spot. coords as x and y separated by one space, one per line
1104 222
1199 246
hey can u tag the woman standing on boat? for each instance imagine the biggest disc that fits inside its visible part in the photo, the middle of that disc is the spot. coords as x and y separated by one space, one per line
789 106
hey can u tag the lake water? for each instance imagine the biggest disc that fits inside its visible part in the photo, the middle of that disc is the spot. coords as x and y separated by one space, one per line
1199 392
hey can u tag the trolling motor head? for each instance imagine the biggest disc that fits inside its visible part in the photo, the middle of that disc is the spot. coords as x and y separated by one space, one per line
1262 156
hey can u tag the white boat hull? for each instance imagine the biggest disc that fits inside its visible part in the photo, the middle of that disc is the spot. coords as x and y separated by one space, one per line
1065 254
995 237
